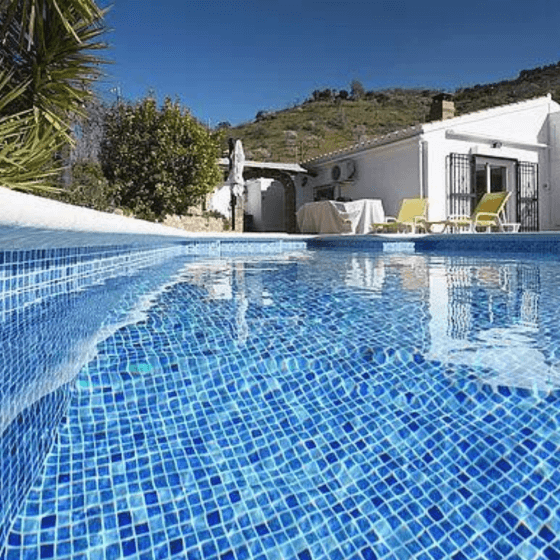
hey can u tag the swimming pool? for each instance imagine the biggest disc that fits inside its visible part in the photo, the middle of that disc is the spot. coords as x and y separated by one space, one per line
313 404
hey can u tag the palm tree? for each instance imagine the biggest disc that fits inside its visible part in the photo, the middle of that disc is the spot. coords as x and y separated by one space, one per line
48 48
26 151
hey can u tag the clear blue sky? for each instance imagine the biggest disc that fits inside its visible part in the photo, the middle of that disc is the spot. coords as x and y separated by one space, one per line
226 60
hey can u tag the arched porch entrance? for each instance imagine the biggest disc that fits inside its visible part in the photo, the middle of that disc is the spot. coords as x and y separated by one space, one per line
284 173
283 177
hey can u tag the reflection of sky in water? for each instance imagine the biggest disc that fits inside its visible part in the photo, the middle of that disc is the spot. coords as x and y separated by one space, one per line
491 314
485 313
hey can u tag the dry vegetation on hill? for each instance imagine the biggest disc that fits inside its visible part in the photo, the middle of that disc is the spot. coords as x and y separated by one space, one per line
331 119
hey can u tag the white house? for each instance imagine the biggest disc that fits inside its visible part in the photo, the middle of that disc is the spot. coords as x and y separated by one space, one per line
452 161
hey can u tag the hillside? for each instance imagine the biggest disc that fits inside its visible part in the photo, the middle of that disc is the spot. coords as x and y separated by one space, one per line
330 120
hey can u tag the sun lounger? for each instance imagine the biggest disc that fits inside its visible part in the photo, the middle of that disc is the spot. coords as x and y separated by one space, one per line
488 214
412 216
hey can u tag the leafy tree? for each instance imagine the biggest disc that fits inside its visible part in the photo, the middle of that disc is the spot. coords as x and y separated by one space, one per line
357 90
263 115
48 68
323 95
224 125
158 161
89 186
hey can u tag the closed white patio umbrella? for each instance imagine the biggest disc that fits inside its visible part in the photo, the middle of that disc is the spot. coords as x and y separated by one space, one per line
235 178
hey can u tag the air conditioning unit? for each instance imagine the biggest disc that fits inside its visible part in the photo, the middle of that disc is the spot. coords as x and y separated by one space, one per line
344 171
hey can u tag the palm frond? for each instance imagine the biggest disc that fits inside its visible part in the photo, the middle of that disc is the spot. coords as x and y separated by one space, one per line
29 12
48 54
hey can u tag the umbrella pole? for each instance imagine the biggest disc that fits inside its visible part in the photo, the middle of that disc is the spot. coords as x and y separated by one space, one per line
233 203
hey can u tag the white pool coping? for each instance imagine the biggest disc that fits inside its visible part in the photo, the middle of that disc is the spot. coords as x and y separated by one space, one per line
28 220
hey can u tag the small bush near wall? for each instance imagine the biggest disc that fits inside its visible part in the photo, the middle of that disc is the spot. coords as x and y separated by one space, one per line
89 187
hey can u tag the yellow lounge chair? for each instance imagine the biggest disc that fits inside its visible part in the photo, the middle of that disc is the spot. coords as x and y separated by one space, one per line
412 216
489 213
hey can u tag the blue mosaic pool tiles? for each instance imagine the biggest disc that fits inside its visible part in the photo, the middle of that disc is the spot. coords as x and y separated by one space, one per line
53 301
210 248
479 243
291 409
27 277
24 444
373 243
235 246
65 297
262 247
295 428
399 247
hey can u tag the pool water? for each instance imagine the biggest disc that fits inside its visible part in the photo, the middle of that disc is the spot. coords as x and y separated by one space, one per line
320 405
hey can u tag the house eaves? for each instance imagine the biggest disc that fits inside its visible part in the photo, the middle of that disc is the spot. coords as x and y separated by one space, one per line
475 116
288 167
495 141
368 145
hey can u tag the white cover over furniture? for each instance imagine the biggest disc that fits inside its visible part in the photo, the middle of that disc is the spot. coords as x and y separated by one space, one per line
329 216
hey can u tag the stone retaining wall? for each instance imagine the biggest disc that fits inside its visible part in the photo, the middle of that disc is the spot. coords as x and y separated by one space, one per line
195 221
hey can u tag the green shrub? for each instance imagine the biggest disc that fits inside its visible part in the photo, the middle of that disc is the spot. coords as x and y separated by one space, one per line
158 161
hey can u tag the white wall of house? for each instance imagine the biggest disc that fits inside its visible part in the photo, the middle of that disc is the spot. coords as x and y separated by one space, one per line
265 202
437 149
519 128
273 218
550 183
304 189
253 201
389 173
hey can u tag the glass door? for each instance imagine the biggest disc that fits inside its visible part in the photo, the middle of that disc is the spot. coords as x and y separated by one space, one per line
495 175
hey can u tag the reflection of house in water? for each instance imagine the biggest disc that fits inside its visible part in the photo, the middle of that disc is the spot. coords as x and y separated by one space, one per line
214 277
487 316
413 271
366 273
464 311
481 313
242 284
398 283
369 272
491 296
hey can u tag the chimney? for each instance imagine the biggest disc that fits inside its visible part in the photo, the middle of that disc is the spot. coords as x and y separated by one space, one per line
442 107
